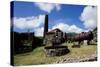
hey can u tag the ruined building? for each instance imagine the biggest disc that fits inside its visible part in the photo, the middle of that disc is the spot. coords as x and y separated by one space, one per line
53 41
54 37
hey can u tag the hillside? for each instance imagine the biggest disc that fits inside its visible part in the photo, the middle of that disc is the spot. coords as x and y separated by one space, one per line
37 56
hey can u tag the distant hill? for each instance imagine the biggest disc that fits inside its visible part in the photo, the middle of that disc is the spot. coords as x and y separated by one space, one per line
95 29
71 34
95 34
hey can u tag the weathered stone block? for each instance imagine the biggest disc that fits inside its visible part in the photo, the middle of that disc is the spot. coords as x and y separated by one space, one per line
56 50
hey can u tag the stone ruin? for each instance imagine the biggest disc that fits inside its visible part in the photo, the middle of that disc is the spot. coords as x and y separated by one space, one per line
53 40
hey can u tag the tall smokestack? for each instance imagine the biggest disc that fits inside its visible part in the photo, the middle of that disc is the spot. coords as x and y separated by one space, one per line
45 25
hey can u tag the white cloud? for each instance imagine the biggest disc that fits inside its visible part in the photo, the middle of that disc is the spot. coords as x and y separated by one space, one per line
67 28
74 28
28 22
33 22
89 17
39 31
48 7
61 26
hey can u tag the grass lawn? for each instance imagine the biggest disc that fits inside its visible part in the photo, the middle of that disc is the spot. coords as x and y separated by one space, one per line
37 56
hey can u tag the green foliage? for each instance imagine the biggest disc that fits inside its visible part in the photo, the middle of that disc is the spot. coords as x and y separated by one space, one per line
71 34
38 41
95 29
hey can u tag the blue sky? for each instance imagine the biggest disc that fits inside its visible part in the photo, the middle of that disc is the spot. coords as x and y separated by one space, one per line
64 14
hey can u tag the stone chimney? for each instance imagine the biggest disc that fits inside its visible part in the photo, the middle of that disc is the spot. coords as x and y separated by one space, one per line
45 25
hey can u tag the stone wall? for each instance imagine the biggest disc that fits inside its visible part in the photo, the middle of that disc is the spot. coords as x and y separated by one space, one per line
56 50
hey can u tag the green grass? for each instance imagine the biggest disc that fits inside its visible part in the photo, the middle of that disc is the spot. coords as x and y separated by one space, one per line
37 56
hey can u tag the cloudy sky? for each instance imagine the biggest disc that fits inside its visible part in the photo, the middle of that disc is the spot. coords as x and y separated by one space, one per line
68 18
